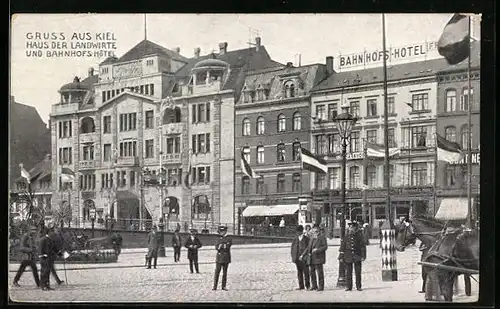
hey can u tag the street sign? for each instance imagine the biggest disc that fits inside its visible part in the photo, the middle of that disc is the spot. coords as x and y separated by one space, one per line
92 213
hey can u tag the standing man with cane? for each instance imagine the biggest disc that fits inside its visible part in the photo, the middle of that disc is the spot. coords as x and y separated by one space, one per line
28 249
45 260
57 242
223 257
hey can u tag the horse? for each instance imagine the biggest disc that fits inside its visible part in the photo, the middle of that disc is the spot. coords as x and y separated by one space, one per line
428 230
457 248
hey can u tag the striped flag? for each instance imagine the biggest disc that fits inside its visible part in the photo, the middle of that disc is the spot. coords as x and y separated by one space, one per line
312 163
378 151
67 175
454 42
448 151
24 173
246 168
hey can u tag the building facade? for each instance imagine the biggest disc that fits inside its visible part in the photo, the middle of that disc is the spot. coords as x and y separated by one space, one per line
272 124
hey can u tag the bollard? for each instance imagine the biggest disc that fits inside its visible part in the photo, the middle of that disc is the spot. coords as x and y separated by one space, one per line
388 247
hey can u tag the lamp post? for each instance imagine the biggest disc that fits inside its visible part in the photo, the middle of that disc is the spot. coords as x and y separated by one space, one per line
92 218
345 122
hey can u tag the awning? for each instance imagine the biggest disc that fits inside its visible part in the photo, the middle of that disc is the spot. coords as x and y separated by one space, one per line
453 209
269 211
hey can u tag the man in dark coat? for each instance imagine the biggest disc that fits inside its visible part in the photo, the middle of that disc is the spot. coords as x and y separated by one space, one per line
176 244
57 247
28 258
153 245
317 248
300 257
46 251
192 244
223 258
352 252
117 241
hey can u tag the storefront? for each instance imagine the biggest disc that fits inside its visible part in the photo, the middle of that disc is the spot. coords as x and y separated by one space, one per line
263 219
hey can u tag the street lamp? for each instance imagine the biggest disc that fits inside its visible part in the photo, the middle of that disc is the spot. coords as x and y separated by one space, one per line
92 218
345 122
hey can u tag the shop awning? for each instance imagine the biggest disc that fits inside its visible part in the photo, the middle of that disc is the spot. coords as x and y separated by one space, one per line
453 209
269 211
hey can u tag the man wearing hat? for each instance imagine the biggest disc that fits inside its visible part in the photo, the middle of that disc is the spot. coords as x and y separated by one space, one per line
352 252
57 246
223 257
193 244
46 254
153 245
301 258
28 249
176 244
317 248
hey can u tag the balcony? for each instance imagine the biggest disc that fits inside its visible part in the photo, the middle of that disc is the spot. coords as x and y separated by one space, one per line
173 128
213 86
88 138
87 164
171 158
127 161
66 108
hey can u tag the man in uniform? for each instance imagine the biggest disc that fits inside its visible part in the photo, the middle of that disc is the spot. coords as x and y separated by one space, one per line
317 248
57 246
153 245
223 258
176 244
192 244
352 252
28 257
300 257
46 254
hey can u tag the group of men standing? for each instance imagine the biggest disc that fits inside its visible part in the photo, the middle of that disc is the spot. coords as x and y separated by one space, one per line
308 252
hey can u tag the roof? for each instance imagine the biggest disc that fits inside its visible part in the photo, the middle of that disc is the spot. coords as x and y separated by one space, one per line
109 60
148 48
40 170
211 63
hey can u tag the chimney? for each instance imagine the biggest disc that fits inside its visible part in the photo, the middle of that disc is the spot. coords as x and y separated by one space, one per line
76 79
222 48
257 43
289 64
177 50
329 65
197 51
91 72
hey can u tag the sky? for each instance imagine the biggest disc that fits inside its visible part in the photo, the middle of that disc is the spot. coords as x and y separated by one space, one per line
36 80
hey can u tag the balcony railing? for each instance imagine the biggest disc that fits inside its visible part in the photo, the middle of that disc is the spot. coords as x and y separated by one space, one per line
130 161
88 137
206 88
87 164
173 128
171 158
65 108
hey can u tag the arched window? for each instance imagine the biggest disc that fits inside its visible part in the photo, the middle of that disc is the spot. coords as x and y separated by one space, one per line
259 185
450 134
451 100
245 185
371 176
464 133
296 182
261 125
287 91
297 121
172 115
246 127
281 152
87 125
260 154
354 177
246 153
201 207
281 123
280 184
464 100
87 206
292 90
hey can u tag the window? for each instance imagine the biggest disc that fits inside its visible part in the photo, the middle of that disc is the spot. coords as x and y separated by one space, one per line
132 178
451 101
65 155
332 111
391 137
128 149
201 175
128 122
296 151
450 176
87 182
106 122
450 134
150 148
464 133
419 136
297 122
281 123
281 152
354 106
371 107
124 179
355 145
280 183
245 185
259 185
149 119
260 154
354 178
65 129
371 136
333 175
201 207
201 112
296 182
151 89
261 125
419 174
87 125
320 141
200 143
246 154
371 176
391 106
320 181
334 143
173 144
149 62
246 127
320 112
464 100
88 152
420 101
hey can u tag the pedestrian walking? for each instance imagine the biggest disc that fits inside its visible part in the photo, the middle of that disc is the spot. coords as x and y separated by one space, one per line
352 252
57 248
28 257
301 258
176 244
317 248
282 226
192 244
117 241
223 257
153 245
46 249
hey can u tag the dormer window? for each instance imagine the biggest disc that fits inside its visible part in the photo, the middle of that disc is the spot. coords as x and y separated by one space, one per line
289 89
149 62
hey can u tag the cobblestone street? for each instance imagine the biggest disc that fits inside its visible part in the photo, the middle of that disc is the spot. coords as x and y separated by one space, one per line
255 275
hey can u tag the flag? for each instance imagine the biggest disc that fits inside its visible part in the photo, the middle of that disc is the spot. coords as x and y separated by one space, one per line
448 151
378 151
188 174
67 175
312 163
66 255
24 173
364 187
246 168
454 42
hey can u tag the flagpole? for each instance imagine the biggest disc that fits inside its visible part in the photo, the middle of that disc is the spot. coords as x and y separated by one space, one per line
365 181
469 141
435 173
